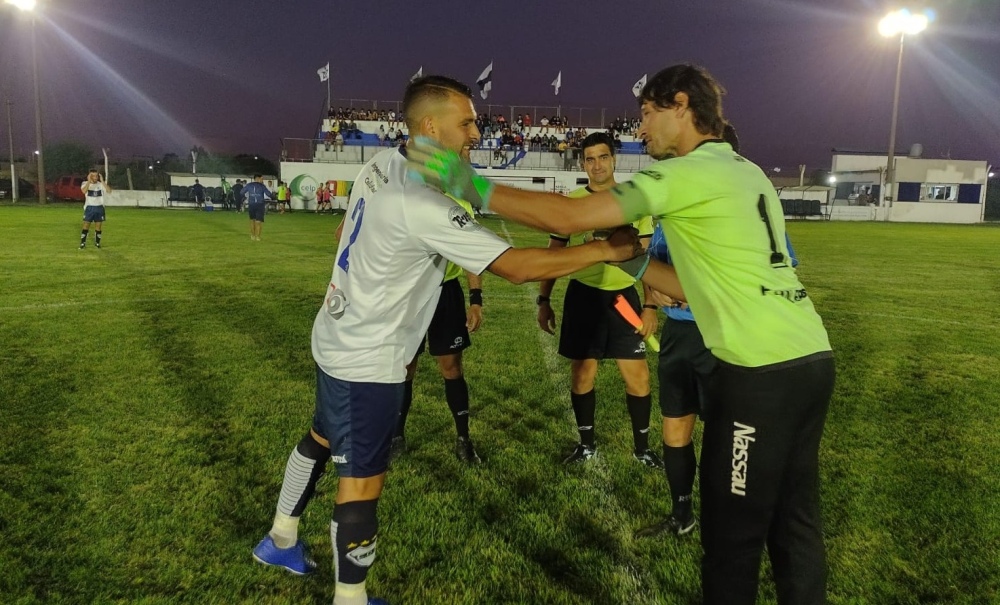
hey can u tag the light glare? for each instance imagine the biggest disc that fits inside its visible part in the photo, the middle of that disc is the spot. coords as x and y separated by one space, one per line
902 22
25 5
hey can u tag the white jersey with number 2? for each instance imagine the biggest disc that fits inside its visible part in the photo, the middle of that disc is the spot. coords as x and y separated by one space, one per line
397 239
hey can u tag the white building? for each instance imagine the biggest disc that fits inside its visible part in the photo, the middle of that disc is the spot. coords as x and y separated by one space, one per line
924 191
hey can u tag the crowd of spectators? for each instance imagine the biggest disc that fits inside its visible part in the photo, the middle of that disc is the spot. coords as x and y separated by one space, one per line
351 114
550 133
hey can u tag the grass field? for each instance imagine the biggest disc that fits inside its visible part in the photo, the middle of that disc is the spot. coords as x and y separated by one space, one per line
151 392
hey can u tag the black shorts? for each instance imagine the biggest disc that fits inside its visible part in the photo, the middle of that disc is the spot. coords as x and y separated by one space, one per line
593 329
447 333
256 211
684 366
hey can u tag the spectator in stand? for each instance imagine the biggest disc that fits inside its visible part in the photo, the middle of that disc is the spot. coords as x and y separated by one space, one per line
618 142
390 137
519 123
536 142
527 124
338 141
519 141
400 137
381 135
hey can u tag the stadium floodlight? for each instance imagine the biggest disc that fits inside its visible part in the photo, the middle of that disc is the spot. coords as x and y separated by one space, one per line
992 174
29 6
897 23
832 179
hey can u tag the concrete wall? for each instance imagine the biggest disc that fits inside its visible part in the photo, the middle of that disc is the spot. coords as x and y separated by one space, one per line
136 199
935 212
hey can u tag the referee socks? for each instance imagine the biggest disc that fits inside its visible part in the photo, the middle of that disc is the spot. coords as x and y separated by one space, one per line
583 408
638 411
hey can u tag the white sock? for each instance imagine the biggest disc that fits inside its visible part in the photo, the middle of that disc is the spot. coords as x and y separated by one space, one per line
350 594
285 530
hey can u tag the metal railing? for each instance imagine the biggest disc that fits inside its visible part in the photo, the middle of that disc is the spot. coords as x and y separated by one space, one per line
577 116
316 150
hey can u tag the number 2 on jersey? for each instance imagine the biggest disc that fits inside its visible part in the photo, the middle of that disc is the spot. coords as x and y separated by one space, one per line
358 215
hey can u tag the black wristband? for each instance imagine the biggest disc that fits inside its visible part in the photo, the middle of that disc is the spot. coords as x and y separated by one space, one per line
540 300
476 296
653 307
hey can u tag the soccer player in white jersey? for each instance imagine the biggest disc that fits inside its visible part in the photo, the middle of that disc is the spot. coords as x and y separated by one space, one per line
399 237
94 191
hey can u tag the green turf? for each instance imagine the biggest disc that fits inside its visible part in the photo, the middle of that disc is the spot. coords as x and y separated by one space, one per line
151 392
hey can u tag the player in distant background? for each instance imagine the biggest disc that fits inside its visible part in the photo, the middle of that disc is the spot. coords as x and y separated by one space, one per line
381 298
256 195
95 190
592 330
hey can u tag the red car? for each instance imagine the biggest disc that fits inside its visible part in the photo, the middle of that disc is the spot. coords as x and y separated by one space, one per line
66 188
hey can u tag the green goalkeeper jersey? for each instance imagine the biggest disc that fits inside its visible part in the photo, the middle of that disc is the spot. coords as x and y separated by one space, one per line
726 230
602 276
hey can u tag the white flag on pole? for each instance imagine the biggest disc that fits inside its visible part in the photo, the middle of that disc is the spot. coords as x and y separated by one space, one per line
485 81
638 86
557 82
419 74
324 73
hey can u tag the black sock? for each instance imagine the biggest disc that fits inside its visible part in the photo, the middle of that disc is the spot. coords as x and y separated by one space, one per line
638 411
456 393
680 465
404 409
353 532
83 236
583 408
97 237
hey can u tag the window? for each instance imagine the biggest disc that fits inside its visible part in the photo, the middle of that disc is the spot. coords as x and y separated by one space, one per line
939 192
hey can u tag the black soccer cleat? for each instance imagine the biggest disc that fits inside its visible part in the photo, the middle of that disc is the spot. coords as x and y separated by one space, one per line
672 524
580 454
465 452
648 458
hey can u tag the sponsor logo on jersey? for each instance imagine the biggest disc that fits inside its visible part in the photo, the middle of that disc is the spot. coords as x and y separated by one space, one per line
793 295
336 302
339 459
461 219
742 438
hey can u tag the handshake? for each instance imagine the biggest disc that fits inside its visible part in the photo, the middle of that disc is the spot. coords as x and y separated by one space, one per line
629 255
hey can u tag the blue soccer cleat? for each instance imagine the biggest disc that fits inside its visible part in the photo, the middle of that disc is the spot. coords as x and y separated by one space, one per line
375 601
294 559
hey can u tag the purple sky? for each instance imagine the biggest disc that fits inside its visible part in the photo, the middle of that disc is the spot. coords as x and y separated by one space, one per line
802 76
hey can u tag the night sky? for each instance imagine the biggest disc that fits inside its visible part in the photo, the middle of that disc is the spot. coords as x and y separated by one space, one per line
147 78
